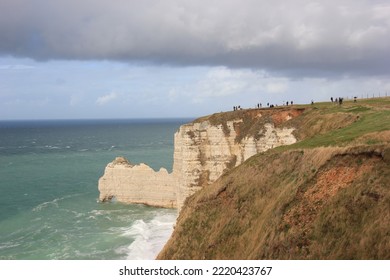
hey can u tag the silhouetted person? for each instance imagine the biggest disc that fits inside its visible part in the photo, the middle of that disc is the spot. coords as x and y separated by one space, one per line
331 99
287 103
291 103
312 102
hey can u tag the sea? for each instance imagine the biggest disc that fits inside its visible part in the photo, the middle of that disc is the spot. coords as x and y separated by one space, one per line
49 173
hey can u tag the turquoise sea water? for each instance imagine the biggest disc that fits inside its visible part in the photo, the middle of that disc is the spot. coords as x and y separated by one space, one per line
49 172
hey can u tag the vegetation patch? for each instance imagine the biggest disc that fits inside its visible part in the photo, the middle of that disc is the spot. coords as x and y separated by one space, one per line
232 163
250 123
191 134
325 197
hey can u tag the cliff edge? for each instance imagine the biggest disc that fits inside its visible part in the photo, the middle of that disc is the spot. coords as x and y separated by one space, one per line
327 196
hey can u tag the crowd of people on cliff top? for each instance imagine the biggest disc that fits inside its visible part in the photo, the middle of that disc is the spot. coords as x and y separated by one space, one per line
337 100
341 99
260 105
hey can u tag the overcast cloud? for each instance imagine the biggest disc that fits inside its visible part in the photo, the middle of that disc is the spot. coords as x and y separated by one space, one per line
300 38
186 58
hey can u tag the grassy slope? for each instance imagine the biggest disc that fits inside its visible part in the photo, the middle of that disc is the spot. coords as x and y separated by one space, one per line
325 197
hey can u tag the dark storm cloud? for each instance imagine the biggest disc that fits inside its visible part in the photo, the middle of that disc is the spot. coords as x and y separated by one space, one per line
300 37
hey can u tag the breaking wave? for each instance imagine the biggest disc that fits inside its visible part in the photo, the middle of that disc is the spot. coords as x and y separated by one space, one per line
149 237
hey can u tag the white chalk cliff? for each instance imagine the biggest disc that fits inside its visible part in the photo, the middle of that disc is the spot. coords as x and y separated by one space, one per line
203 151
137 184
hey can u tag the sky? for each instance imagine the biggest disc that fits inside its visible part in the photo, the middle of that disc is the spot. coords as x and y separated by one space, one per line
72 59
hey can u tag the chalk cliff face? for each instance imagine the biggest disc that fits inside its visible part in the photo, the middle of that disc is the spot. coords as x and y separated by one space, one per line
203 151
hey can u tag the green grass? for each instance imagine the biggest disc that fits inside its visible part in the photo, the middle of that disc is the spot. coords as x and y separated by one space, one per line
371 116
372 122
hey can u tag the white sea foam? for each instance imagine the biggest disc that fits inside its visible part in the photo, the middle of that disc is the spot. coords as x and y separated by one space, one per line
50 147
8 245
45 204
150 236
53 202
